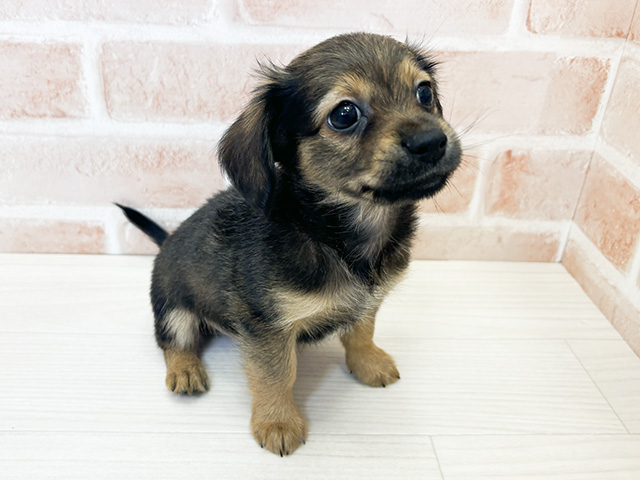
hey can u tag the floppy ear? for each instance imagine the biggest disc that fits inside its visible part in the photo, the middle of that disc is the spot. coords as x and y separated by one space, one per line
246 150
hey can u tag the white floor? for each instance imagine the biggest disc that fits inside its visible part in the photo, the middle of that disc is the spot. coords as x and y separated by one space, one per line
508 371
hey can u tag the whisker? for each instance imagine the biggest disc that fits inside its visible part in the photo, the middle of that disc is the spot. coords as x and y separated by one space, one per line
437 205
471 166
468 161
487 141
453 101
480 118
450 185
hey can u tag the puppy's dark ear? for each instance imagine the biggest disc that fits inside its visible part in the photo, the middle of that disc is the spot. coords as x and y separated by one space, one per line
246 150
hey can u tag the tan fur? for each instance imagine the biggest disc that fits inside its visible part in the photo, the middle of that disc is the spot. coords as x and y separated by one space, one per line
411 74
352 87
347 87
299 311
185 372
369 363
276 422
385 144
372 221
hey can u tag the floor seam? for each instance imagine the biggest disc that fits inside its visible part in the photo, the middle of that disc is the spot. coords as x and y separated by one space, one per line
597 386
435 454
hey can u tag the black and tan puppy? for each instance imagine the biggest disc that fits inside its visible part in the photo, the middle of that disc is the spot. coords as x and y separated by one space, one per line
327 163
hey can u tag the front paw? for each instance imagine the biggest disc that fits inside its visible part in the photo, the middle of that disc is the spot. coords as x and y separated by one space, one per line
372 366
281 436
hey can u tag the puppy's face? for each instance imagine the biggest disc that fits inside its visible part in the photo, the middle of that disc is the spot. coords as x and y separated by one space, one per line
358 118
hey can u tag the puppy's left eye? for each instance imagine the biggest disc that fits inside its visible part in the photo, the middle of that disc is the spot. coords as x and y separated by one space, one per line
344 116
425 94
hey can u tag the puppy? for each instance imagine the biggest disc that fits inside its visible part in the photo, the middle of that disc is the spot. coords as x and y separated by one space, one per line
327 164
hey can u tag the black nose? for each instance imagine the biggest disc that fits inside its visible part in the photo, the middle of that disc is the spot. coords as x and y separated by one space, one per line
429 146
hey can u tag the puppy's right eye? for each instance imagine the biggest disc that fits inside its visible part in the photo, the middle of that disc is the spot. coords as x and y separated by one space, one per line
344 116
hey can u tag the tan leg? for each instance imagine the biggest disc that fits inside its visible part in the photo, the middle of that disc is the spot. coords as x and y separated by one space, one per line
180 333
185 373
276 422
369 363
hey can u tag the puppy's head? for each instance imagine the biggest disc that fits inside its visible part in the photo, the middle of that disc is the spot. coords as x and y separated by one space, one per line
356 118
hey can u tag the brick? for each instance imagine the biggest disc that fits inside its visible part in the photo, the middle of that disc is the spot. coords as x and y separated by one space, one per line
536 185
126 11
177 82
134 242
574 95
485 243
501 91
50 236
416 17
621 120
41 81
593 18
602 291
456 197
609 213
521 92
98 171
634 32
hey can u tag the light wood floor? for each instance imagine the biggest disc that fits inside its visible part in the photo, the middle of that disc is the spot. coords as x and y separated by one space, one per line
508 371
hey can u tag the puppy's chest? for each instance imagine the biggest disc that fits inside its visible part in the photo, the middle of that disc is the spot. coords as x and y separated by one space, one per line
357 276
338 303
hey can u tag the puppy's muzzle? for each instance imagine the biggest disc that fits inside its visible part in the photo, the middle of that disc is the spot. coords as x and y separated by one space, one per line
428 146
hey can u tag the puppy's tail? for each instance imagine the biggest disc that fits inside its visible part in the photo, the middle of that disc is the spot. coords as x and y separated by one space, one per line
148 226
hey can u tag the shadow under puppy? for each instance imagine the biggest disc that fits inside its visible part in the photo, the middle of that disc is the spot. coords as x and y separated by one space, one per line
327 163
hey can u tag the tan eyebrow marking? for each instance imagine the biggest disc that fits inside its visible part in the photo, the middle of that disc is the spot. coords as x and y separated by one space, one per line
347 87
411 74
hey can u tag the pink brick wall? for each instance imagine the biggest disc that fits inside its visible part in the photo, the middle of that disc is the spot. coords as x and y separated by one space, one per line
125 100
603 248
41 80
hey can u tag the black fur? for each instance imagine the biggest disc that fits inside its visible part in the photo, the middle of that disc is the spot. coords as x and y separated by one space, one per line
148 226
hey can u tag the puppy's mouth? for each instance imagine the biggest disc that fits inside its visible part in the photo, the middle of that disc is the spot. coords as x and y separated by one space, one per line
413 178
408 190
